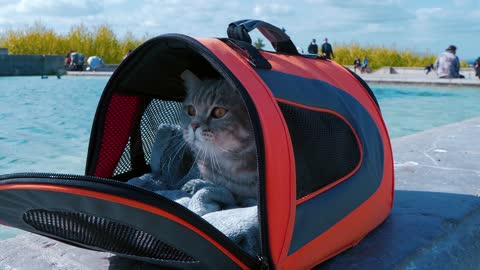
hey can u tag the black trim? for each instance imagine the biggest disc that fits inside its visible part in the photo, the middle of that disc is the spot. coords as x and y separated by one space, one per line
249 52
325 150
136 148
100 114
128 191
365 85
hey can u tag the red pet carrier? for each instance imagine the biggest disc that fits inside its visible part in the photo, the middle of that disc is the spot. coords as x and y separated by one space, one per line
325 166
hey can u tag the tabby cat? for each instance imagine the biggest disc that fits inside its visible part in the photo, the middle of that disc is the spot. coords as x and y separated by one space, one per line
217 127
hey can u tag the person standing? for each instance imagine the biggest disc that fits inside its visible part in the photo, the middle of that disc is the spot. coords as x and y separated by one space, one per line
327 50
365 68
313 47
68 59
476 66
447 64
356 64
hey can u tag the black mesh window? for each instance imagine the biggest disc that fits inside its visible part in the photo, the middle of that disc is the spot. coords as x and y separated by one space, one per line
324 145
141 140
102 233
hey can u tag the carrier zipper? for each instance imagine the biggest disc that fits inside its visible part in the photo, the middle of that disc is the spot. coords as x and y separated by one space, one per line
262 210
246 258
263 263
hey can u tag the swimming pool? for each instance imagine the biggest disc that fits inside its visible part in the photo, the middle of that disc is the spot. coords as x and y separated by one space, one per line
45 124
408 109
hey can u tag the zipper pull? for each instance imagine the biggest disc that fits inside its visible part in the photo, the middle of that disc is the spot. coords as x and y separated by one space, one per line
263 263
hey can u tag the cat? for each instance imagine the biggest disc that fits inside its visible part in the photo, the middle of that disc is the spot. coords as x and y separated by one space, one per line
217 128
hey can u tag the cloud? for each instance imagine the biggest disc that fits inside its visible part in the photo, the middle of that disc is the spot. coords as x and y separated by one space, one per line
421 24
59 7
275 9
114 2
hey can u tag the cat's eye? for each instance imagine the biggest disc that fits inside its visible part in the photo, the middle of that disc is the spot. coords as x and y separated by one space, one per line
191 110
218 112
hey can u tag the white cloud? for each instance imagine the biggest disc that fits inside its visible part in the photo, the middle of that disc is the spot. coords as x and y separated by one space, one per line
114 2
59 7
275 9
406 23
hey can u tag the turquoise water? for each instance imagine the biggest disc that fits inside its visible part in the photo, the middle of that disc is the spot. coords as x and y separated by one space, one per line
45 124
410 109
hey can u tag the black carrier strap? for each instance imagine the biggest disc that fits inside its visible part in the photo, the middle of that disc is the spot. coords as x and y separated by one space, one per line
280 40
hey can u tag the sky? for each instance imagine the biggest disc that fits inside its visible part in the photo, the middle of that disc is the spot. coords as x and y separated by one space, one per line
425 26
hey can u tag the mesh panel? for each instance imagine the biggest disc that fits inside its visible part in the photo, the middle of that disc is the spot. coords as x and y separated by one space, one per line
125 163
120 116
102 233
157 112
325 147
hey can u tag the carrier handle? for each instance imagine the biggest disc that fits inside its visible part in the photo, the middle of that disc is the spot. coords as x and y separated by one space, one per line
280 40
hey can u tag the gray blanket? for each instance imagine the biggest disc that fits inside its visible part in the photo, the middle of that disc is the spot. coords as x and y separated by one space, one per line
175 177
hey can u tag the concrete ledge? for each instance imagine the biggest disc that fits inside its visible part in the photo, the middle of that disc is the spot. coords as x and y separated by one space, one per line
417 76
30 65
415 70
89 73
396 79
400 75
435 223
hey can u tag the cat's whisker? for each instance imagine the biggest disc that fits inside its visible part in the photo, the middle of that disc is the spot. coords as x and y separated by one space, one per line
194 162
216 162
174 136
225 150
211 162
178 147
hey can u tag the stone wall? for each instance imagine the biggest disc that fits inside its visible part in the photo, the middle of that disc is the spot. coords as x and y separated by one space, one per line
21 65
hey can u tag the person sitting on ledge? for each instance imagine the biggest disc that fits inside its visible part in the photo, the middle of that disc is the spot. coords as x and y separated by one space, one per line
447 64
476 66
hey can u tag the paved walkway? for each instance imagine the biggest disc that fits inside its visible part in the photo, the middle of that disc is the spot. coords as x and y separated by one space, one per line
402 76
89 73
405 75
418 80
435 223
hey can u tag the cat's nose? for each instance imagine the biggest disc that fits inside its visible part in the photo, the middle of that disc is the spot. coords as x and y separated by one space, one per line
195 126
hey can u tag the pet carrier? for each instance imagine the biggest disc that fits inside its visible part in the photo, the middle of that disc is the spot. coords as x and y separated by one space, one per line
325 167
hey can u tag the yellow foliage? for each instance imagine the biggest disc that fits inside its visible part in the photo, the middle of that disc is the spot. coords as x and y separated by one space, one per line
380 56
101 41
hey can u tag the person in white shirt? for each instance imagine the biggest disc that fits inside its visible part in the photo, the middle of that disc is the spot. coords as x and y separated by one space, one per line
448 64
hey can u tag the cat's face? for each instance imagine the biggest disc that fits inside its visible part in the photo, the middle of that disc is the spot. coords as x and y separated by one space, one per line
214 117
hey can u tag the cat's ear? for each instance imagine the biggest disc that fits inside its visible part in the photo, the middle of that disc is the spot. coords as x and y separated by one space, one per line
191 80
